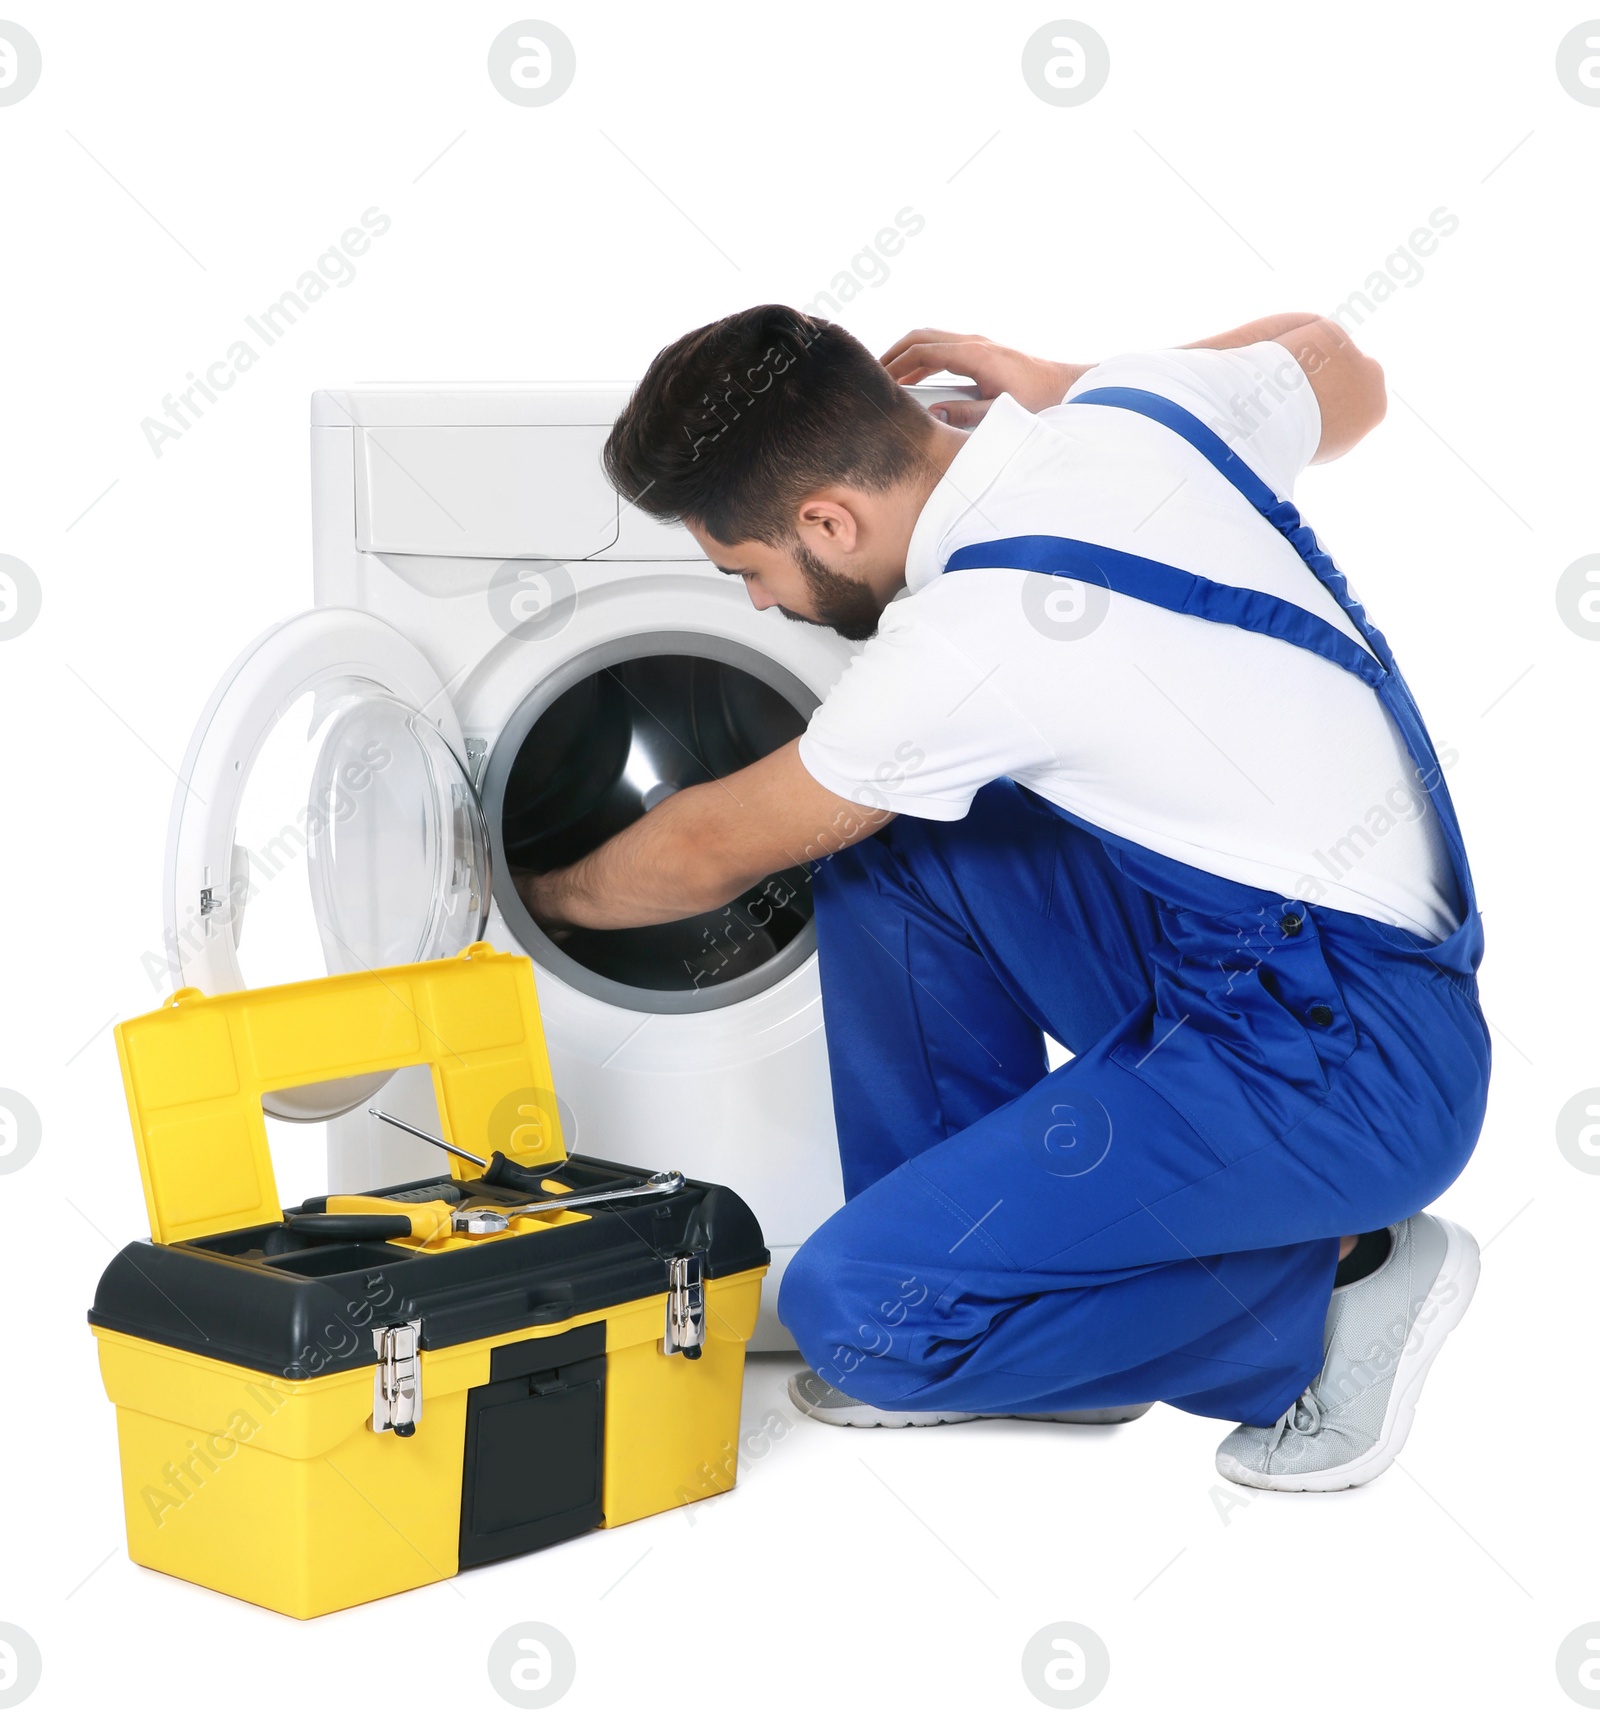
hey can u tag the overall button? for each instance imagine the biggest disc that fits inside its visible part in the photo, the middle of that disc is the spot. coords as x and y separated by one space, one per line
1289 925
1320 1016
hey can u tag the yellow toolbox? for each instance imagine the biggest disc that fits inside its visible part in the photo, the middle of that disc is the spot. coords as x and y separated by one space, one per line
368 1393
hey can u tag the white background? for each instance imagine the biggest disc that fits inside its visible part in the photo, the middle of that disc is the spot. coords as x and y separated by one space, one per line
1240 160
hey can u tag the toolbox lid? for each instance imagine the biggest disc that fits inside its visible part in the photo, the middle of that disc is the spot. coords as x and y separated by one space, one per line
194 1072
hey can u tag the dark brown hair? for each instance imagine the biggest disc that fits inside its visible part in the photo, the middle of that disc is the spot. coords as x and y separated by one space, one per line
733 424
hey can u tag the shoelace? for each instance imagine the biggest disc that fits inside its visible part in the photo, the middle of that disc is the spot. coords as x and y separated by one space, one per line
1304 1418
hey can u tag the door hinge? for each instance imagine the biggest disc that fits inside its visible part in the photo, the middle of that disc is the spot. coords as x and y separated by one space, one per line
397 1382
686 1307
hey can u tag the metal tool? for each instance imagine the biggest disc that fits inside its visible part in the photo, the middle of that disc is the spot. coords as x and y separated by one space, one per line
496 1170
368 1217
484 1220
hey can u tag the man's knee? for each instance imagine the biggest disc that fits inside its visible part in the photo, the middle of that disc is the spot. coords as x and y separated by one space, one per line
855 1318
803 1299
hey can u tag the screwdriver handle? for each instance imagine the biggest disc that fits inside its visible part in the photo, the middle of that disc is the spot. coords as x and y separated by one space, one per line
424 1219
497 1169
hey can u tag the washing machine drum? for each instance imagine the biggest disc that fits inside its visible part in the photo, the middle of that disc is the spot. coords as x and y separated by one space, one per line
575 767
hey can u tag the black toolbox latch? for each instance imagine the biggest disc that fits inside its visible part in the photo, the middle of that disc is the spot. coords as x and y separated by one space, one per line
397 1382
686 1307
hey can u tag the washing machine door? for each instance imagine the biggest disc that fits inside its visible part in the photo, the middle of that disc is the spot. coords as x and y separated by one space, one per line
324 822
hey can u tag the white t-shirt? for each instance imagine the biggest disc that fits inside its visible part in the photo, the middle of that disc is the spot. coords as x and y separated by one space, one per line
1219 747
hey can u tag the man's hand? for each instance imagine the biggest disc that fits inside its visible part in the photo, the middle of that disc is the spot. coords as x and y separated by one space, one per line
1034 383
700 848
1348 385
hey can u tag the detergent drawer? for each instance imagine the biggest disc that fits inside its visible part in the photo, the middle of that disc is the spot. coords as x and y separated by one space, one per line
483 492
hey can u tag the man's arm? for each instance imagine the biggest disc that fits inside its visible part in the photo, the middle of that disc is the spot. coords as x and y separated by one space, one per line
701 847
1348 385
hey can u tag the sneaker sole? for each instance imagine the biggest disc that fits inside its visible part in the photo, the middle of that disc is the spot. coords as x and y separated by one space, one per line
876 1418
1101 1415
1459 1271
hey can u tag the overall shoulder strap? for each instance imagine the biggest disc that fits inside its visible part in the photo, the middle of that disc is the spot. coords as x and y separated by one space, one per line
1212 446
1186 592
1173 588
1280 513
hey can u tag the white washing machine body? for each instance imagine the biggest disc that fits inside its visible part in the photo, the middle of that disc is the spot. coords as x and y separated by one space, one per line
477 582
422 501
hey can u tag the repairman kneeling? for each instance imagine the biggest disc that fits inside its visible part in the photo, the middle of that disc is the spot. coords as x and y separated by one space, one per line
1121 761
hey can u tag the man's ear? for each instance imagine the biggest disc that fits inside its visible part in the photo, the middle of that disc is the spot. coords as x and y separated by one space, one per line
827 524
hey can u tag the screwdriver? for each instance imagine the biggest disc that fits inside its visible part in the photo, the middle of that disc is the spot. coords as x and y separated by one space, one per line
496 1170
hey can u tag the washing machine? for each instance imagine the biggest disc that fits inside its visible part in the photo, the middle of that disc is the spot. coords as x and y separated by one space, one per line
504 664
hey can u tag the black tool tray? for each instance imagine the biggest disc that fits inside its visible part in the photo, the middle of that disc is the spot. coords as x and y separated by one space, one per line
287 1303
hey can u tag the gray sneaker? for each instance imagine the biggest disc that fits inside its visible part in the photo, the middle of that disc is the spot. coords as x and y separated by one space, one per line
821 1400
1382 1334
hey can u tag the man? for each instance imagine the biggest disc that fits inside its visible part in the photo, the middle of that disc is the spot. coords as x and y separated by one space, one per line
1162 796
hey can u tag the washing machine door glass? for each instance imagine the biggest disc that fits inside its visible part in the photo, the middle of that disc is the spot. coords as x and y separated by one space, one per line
326 825
393 866
604 739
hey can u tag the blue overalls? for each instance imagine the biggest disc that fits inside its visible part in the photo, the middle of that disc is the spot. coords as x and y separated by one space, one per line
1159 1218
